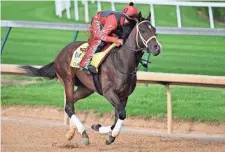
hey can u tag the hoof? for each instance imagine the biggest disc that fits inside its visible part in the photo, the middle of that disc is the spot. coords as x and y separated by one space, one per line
70 134
110 140
85 138
96 127
85 141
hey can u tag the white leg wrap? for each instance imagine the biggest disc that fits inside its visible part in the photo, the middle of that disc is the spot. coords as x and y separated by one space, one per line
79 125
117 128
72 124
104 130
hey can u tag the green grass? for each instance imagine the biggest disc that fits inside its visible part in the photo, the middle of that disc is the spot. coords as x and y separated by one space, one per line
189 103
191 55
181 54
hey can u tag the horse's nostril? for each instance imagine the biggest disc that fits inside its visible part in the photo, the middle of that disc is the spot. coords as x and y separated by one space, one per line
156 47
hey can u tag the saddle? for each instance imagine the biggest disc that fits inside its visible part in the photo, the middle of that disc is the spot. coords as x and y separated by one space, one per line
97 59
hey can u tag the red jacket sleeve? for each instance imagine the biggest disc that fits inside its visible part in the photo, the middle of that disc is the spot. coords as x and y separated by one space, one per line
110 25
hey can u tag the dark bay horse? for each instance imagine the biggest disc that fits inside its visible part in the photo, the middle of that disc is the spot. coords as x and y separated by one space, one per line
117 76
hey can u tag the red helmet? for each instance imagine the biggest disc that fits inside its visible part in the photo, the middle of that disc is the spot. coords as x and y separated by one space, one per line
130 10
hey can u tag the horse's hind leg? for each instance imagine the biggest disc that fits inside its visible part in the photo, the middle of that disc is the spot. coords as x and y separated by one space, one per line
69 108
80 93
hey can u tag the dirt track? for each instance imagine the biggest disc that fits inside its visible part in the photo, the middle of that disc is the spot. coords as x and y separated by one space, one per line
22 137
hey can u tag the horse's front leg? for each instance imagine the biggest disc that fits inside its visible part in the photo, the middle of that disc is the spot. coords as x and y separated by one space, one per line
105 129
120 105
124 101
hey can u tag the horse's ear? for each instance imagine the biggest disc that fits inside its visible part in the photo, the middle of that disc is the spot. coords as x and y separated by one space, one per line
149 17
140 16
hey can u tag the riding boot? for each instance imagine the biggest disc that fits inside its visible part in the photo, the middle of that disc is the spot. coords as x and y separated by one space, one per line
87 63
89 68
100 46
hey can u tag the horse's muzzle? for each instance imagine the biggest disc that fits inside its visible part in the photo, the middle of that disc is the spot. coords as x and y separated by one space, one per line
155 49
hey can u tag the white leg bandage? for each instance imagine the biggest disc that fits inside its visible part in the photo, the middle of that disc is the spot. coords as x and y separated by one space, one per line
72 124
117 128
79 125
104 130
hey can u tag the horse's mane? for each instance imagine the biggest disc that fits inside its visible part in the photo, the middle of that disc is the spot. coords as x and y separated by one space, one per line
125 31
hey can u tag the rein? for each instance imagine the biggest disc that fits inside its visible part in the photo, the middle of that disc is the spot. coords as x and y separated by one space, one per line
136 69
130 73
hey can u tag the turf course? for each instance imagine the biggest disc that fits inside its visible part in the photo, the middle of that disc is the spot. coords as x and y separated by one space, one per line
181 54
192 103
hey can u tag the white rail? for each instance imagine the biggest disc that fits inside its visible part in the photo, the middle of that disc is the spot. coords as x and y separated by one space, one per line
152 3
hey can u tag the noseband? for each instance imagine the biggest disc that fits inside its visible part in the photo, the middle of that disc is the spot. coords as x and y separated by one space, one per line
138 34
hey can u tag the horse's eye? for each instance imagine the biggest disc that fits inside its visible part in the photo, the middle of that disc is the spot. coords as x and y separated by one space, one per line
142 31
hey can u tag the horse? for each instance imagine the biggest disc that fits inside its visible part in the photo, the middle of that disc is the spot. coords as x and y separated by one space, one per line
117 77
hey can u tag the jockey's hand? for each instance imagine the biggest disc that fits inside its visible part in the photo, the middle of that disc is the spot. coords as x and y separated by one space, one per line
119 42
114 35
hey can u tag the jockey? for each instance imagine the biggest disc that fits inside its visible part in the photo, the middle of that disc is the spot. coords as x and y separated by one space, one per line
103 24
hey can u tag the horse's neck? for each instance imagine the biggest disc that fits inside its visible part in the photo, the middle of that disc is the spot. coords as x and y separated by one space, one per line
126 58
127 54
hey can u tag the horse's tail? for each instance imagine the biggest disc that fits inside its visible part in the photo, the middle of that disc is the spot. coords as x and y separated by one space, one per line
45 71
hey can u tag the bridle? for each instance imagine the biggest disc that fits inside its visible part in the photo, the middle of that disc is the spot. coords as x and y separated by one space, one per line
145 42
138 34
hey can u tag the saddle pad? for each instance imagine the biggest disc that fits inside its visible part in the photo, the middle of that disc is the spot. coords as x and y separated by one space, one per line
97 59
77 56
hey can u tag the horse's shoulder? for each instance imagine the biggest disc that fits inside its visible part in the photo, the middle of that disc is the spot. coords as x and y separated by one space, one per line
77 43
74 45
